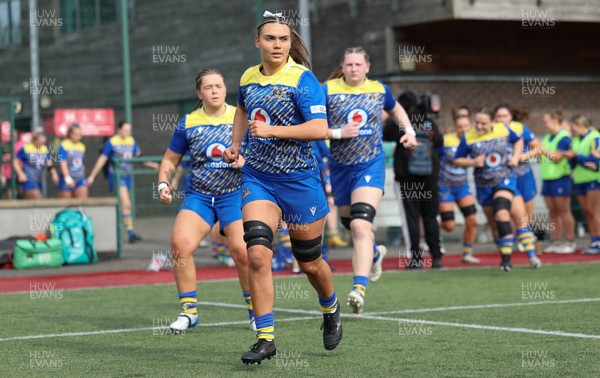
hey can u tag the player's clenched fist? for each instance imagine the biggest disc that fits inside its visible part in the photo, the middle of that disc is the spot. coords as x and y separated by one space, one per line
164 192
231 153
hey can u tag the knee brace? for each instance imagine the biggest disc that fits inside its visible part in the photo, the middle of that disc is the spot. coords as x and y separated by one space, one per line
306 250
361 210
468 210
501 203
258 233
345 222
504 228
447 216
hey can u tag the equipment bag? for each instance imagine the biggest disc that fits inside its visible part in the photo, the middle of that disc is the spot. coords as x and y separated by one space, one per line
34 254
76 231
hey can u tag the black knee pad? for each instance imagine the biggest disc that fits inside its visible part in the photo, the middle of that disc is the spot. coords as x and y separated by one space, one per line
504 228
345 222
361 210
468 210
306 250
501 203
258 233
447 216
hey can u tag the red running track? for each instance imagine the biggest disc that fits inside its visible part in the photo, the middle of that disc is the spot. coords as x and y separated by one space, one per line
140 277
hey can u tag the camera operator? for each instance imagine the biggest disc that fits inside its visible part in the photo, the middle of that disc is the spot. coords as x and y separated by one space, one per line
416 178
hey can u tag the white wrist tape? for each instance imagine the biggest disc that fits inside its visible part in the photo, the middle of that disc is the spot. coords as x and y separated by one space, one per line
410 131
161 186
336 133
68 180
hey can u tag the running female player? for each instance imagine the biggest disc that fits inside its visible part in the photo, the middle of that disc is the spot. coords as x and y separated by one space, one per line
525 180
212 192
585 163
494 150
282 107
121 145
35 157
71 155
355 105
555 171
454 188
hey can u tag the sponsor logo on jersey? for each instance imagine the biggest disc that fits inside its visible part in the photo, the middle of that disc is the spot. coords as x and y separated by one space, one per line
215 151
359 116
318 109
77 162
260 114
493 160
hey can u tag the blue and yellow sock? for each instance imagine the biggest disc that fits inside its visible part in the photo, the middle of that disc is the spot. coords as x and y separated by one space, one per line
248 300
360 284
128 223
505 245
328 305
525 237
467 249
189 302
376 254
265 326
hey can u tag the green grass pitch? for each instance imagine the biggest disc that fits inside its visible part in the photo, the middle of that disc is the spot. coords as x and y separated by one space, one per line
453 323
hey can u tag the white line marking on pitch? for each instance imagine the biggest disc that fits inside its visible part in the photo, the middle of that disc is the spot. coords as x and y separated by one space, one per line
125 330
487 327
474 307
364 316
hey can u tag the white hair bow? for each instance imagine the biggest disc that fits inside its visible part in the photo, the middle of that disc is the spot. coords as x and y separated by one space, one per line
274 15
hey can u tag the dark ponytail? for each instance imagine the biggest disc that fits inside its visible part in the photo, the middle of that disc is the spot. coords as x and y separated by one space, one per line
298 50
201 75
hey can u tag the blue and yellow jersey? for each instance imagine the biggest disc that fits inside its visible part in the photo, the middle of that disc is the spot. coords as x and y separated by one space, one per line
204 138
321 151
362 104
450 174
289 97
118 147
528 136
74 155
34 160
497 146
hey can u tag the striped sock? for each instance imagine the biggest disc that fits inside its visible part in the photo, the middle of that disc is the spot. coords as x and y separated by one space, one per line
376 254
360 284
467 249
248 300
128 223
506 244
595 239
189 302
525 237
265 326
328 305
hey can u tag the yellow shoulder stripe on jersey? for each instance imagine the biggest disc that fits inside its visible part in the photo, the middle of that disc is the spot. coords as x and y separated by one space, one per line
339 86
70 146
288 75
451 140
499 130
116 140
199 118
517 127
31 148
